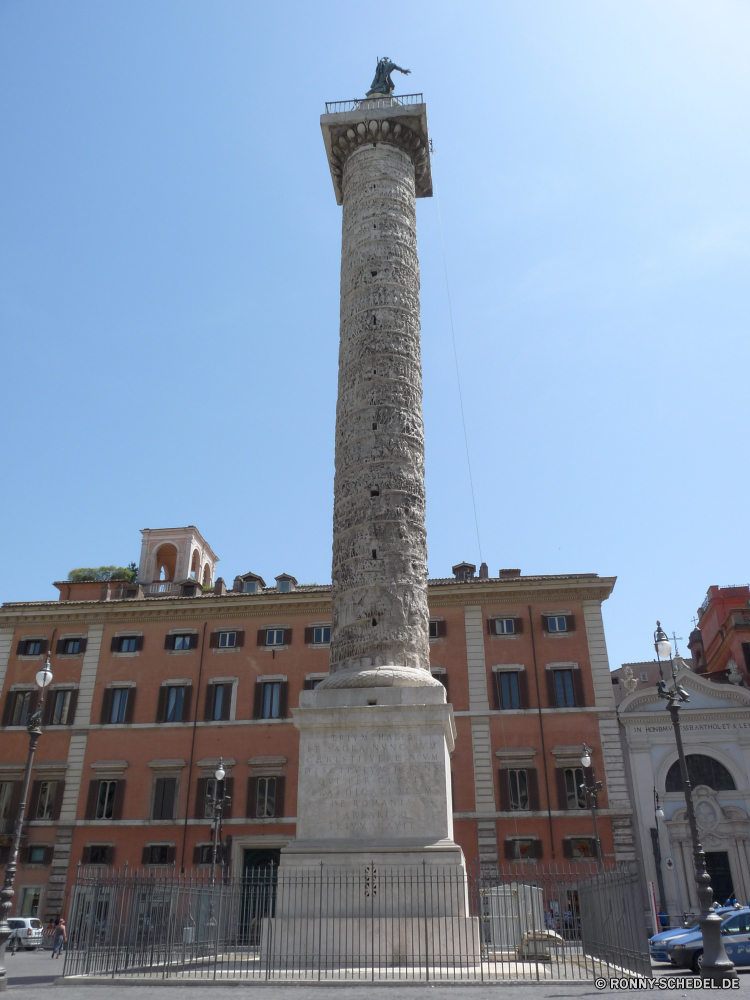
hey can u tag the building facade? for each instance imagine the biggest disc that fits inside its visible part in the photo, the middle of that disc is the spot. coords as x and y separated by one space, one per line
716 734
152 686
720 643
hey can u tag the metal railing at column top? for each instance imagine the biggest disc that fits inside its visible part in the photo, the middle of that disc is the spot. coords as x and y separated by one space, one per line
372 103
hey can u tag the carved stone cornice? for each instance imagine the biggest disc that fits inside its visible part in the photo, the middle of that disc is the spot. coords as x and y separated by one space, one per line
347 139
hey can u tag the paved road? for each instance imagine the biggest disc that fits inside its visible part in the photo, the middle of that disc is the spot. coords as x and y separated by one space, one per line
32 975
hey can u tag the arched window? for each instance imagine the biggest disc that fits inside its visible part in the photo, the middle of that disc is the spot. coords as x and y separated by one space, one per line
194 565
702 770
207 575
166 561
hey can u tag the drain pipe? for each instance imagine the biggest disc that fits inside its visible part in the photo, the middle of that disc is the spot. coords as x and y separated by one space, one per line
541 730
192 749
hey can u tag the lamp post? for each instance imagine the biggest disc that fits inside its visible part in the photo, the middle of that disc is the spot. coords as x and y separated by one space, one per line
218 803
34 728
716 963
592 791
656 845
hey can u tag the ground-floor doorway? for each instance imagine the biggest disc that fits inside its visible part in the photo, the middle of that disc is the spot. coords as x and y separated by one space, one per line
717 864
260 877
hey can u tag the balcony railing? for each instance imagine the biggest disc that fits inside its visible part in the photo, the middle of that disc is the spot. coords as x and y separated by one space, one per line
162 587
372 103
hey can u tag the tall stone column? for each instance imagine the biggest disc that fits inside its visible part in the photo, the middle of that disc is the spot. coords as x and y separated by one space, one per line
379 164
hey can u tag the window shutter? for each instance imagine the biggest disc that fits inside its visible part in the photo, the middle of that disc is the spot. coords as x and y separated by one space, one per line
443 678
258 701
213 640
21 648
59 647
496 691
239 638
48 852
545 623
109 857
186 699
114 646
283 699
49 704
83 644
107 706
168 805
280 793
33 702
170 855
86 856
146 856
518 625
169 641
8 710
551 693
570 623
208 709
119 799
226 703
229 790
200 798
594 848
287 637
252 798
130 705
567 848
562 792
746 653
33 800
510 850
537 849
194 640
261 637
196 855
309 635
491 626
72 705
523 689
308 685
44 646
91 800
442 629
58 801
138 643
532 783
578 688
504 790
161 707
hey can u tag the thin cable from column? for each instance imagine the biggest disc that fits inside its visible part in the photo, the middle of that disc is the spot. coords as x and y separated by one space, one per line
458 376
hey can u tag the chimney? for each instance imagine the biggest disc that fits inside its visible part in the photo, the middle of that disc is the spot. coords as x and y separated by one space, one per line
510 574
484 573
220 588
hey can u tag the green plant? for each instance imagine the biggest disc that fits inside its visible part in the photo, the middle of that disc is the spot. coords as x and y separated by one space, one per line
102 574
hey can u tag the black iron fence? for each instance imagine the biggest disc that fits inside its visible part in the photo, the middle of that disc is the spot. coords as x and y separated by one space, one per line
373 103
423 923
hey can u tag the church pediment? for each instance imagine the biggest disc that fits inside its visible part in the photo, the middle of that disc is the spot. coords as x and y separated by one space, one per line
704 694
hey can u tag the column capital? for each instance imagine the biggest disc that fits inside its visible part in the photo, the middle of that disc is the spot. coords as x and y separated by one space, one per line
382 121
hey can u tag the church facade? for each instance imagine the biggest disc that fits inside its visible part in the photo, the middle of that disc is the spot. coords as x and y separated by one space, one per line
155 681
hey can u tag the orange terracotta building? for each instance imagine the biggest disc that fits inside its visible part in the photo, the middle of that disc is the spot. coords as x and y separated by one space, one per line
720 644
155 681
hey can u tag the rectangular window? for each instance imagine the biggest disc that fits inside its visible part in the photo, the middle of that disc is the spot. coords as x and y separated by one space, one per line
72 646
227 639
523 848
582 847
208 811
158 854
519 789
21 709
508 688
37 854
33 647
504 626
222 701
271 697
205 852
119 705
105 800
126 644
564 691
60 706
250 586
557 623
285 586
30 899
321 634
175 697
275 637
6 794
265 805
46 800
182 642
433 630
98 854
575 788
164 798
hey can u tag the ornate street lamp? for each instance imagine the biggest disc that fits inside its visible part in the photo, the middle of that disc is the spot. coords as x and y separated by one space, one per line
716 963
656 846
218 803
592 791
34 728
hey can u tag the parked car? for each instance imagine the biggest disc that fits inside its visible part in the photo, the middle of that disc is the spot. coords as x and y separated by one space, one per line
26 933
660 943
687 952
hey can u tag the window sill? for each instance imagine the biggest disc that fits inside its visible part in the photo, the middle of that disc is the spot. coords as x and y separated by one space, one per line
124 656
180 652
437 638
510 635
271 649
310 645
557 635
217 649
67 656
35 656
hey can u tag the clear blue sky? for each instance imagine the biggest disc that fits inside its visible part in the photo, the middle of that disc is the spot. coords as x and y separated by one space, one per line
169 267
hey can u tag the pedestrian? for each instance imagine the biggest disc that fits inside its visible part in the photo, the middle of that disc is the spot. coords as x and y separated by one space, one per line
61 936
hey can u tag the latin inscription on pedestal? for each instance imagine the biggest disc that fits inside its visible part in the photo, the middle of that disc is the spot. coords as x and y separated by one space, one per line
372 782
